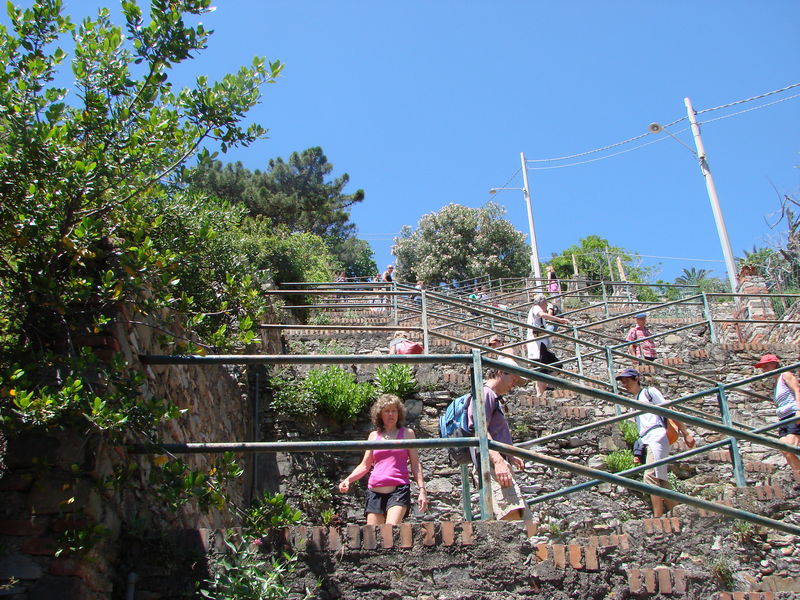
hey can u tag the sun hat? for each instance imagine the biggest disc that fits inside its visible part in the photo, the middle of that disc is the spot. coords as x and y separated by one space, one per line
625 373
767 359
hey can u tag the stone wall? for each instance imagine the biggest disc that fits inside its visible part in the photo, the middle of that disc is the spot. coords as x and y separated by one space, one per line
59 486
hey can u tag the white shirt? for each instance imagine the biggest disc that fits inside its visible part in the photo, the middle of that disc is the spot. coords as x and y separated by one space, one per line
650 421
535 319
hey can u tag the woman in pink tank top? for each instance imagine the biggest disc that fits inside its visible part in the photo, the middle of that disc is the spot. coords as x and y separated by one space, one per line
389 485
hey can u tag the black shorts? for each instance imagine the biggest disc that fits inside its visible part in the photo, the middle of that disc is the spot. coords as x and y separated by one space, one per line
546 357
379 503
790 428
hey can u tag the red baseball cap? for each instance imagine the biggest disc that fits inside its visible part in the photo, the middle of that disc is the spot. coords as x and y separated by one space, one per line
767 359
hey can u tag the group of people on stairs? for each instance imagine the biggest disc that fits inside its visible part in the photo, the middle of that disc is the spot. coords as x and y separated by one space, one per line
388 497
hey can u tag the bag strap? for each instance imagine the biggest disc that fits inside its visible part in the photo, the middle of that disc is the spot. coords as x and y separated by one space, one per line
663 421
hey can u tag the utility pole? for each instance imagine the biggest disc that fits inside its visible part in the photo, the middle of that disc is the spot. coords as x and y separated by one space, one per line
712 196
537 273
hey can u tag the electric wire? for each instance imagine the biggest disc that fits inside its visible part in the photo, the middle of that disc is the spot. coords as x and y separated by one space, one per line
751 109
764 95
672 123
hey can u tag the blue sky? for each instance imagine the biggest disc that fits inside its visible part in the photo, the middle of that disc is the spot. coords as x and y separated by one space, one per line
428 103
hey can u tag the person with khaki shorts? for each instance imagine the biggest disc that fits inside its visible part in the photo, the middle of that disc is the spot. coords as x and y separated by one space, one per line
508 503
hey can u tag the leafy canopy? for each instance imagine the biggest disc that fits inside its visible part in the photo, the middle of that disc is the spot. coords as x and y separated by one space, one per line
88 218
459 242
596 259
296 194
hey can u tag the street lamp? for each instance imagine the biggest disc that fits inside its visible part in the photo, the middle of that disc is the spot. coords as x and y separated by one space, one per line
527 196
722 231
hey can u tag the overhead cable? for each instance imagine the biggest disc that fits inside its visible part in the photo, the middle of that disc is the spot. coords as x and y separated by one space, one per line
675 122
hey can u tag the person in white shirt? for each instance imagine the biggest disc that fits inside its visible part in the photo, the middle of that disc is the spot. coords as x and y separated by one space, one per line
653 434
539 350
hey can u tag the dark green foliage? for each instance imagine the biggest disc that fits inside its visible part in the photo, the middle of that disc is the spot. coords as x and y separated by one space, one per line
271 511
596 260
395 379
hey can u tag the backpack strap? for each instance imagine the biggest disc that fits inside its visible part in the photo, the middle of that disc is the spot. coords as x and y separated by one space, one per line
663 423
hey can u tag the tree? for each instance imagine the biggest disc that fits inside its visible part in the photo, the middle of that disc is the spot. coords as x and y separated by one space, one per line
84 223
294 193
355 255
458 242
692 276
594 254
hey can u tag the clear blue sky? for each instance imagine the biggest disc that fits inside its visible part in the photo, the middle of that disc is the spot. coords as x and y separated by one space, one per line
428 103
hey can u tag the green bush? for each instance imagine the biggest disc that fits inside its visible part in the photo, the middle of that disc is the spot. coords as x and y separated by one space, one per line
269 512
629 431
395 379
245 574
337 393
290 397
619 460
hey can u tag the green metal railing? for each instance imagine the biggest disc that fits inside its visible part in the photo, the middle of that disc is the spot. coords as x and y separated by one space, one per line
438 312
481 440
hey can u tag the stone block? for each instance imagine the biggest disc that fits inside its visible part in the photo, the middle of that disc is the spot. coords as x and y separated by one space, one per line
19 566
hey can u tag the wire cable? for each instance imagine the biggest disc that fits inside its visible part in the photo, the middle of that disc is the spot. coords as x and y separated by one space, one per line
675 122
764 95
751 109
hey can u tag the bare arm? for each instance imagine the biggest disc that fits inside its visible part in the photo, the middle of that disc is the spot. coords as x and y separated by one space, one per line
416 471
361 469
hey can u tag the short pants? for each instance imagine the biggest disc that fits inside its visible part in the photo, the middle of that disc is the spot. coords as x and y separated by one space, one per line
656 450
790 428
378 503
546 357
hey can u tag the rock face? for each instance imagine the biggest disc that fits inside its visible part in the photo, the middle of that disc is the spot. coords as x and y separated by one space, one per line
63 487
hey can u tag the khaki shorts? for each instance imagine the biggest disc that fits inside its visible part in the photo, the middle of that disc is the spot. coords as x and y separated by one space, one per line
507 499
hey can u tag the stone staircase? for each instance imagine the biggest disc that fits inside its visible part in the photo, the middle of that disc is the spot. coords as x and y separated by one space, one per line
599 543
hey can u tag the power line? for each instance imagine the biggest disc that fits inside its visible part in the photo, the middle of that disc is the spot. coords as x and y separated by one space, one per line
675 122
752 108
764 95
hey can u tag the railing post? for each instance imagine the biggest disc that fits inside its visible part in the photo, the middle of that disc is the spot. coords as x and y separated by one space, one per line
424 323
709 317
736 457
394 304
611 377
605 299
479 418
466 505
578 356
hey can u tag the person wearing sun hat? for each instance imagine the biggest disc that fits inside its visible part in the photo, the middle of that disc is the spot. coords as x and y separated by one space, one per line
647 348
508 503
787 400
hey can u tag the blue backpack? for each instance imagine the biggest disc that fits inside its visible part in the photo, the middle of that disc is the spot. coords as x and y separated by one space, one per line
453 423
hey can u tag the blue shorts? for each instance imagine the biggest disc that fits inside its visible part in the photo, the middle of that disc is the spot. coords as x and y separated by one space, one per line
378 503
789 428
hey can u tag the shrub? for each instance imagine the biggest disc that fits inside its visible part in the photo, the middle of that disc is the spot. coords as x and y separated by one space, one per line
619 460
395 379
244 574
269 512
629 431
336 392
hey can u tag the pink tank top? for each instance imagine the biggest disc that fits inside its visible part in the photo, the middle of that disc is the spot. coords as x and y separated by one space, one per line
389 467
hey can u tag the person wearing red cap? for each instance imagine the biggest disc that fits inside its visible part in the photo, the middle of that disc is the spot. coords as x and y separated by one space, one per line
787 400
